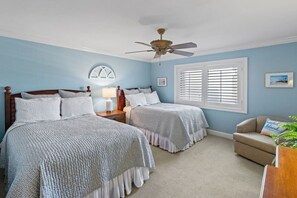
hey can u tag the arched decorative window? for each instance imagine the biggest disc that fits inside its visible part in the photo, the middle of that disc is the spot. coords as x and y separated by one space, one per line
102 72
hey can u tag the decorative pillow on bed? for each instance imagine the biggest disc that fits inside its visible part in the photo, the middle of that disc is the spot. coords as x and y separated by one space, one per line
37 109
152 98
136 100
272 127
32 96
77 106
130 92
145 90
69 94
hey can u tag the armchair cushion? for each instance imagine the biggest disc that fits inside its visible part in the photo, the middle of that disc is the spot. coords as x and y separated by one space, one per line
256 140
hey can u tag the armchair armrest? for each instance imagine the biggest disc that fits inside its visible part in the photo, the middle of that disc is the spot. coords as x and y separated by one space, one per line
249 125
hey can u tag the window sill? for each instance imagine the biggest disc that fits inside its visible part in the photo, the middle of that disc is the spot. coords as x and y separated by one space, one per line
243 111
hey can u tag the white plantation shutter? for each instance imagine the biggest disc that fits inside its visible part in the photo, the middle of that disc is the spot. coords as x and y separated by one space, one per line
190 85
223 85
219 85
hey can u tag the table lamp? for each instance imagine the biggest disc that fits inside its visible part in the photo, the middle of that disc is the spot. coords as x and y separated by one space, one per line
108 93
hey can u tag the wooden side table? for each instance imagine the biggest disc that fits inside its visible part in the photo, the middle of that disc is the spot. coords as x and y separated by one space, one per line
117 115
280 181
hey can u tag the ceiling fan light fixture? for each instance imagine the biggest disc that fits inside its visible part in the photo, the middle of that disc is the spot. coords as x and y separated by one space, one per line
161 44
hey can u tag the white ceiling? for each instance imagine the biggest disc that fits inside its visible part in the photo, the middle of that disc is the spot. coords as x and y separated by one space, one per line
112 26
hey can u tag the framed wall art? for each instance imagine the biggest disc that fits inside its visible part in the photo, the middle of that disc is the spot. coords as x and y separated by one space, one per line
279 80
161 82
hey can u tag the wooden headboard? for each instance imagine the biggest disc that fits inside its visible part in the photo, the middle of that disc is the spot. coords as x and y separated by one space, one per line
10 102
121 100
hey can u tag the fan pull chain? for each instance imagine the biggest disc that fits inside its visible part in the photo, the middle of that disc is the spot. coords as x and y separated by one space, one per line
160 61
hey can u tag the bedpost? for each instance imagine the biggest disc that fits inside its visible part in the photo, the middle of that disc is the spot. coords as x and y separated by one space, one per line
88 89
120 99
7 107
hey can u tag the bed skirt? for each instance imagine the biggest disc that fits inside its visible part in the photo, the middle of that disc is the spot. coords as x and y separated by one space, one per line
164 143
122 185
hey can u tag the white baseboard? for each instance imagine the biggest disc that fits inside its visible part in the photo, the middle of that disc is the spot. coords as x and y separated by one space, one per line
220 134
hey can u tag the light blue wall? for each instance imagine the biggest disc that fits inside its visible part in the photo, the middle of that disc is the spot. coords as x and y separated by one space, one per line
261 100
29 66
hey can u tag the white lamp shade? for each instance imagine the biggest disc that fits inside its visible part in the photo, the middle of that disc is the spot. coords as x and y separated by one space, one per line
109 92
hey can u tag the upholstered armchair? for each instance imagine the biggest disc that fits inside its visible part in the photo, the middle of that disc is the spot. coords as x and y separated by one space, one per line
249 143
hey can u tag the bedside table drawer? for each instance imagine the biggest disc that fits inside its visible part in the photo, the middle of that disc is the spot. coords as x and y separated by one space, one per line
120 119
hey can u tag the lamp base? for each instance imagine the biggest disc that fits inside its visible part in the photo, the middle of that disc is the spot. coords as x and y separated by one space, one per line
109 106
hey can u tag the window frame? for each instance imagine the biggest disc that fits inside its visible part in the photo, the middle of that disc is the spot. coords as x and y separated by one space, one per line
240 63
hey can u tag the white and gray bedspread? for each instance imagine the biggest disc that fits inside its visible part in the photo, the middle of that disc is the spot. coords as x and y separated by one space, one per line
70 158
173 121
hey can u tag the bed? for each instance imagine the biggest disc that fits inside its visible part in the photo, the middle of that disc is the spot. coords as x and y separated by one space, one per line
172 127
81 156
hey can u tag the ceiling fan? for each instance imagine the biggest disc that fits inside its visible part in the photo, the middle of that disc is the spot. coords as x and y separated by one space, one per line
161 47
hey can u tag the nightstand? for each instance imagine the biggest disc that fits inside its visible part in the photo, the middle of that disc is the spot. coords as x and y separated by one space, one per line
117 115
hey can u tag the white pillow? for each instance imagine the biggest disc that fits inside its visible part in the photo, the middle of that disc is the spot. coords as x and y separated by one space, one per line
145 90
136 100
152 98
77 106
69 94
32 96
37 109
129 92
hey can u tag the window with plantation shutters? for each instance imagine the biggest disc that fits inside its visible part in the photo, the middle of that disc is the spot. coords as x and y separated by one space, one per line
190 85
222 85
219 85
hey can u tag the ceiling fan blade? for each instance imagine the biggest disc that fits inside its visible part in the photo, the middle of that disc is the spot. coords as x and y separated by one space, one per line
139 51
143 43
184 45
157 55
183 53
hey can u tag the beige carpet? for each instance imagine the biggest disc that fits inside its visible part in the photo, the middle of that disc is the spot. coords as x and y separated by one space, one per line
208 169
